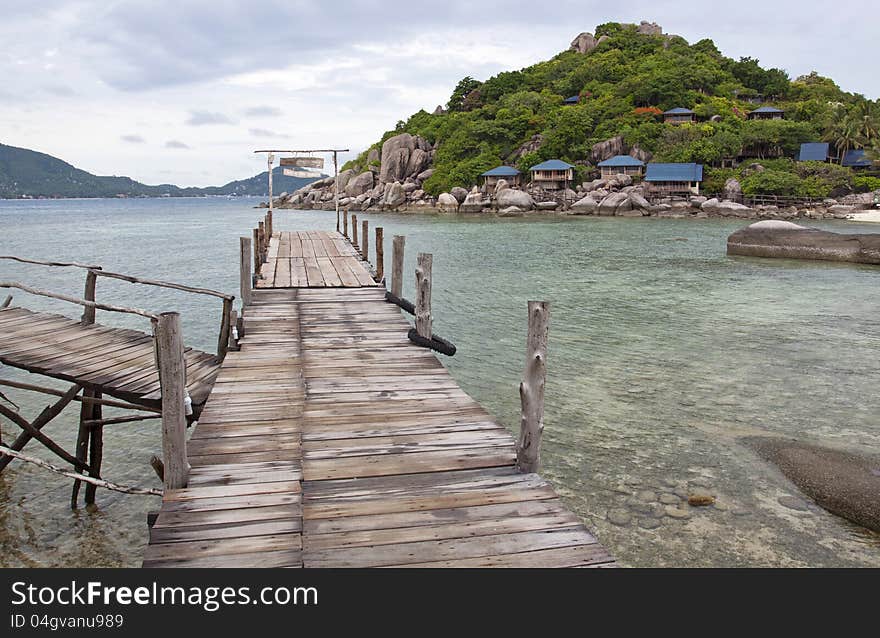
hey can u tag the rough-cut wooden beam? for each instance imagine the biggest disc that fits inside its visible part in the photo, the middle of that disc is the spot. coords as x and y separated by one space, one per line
122 419
81 302
163 284
345 223
6 302
365 238
245 269
531 390
49 413
172 380
225 329
7 452
354 230
88 316
397 248
42 438
423 294
84 399
233 322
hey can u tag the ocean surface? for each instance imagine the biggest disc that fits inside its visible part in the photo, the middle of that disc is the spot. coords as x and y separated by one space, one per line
664 353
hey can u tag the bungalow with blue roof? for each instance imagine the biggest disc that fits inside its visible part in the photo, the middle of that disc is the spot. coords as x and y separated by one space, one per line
814 152
574 99
509 173
679 116
674 179
766 113
856 158
621 164
552 174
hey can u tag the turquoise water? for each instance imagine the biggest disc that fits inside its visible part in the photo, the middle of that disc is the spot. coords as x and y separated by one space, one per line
663 353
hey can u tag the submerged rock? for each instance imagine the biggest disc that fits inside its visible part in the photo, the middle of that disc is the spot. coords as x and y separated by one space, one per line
775 238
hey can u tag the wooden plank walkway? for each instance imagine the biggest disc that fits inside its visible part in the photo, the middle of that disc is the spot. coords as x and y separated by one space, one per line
330 440
121 362
313 259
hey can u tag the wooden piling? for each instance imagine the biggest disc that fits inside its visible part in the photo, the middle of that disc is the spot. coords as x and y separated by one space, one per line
88 316
88 411
269 227
172 381
233 323
225 329
380 253
261 226
345 223
96 449
531 390
245 269
423 295
257 258
397 247
365 248
354 231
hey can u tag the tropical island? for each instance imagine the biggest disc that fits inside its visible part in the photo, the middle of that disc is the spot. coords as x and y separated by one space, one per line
628 121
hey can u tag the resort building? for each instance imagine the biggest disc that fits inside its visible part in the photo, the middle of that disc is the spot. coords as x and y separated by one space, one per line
509 173
674 179
574 99
856 158
553 174
766 113
814 152
679 116
621 164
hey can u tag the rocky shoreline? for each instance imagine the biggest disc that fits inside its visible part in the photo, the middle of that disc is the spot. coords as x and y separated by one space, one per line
392 181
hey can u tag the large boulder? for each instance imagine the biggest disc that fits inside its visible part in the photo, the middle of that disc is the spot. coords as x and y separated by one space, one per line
418 161
474 202
585 206
649 28
500 185
459 193
344 178
447 203
640 154
394 196
609 205
399 158
548 205
609 148
584 42
726 208
776 238
359 185
732 189
512 197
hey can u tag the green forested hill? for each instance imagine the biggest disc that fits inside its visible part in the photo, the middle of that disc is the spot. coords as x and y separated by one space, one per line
28 173
625 83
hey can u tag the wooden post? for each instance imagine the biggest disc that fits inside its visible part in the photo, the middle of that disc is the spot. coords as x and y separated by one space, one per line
88 316
380 253
262 228
96 448
245 270
172 381
345 223
233 322
269 226
271 160
257 260
225 329
397 247
336 188
531 390
354 231
423 295
365 238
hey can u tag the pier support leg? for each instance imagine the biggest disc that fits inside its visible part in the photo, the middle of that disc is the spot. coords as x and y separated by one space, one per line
365 239
531 390
172 380
96 450
245 270
423 294
397 248
345 223
354 231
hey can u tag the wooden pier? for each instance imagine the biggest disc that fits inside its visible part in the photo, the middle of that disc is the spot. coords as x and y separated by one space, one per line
331 440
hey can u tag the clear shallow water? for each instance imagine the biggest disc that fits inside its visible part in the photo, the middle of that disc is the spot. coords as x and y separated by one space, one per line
663 352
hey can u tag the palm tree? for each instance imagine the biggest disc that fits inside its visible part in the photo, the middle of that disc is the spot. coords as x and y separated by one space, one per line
844 134
868 127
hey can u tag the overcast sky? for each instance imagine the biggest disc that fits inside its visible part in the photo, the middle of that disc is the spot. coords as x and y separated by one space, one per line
183 91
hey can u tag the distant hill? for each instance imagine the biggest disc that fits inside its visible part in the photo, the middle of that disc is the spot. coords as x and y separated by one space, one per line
26 173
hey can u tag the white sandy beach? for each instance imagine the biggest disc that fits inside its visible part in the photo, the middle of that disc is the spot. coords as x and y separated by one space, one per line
867 216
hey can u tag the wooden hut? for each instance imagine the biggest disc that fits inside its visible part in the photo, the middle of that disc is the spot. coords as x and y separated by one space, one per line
574 99
766 113
814 152
552 174
679 116
621 164
856 158
674 179
509 173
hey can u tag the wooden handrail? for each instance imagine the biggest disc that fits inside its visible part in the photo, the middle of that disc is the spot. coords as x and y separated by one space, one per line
48 263
161 284
81 302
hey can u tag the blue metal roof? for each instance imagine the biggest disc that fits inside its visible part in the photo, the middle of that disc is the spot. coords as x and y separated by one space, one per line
574 99
551 165
768 109
678 111
674 172
501 171
813 151
856 158
621 160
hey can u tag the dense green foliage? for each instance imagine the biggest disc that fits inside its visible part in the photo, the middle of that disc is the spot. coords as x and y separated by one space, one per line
624 84
25 173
